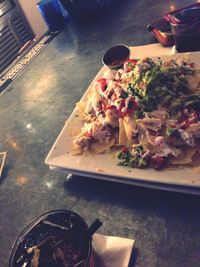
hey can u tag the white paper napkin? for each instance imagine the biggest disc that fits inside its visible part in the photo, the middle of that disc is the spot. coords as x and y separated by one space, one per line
111 251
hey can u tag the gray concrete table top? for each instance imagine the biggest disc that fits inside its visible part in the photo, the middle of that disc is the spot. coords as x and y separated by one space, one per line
33 110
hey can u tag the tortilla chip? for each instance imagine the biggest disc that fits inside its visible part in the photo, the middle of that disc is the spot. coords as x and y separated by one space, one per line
129 127
196 160
98 148
122 134
76 150
185 157
81 105
111 118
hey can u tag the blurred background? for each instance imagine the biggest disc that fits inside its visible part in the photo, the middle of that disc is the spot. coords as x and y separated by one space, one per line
24 23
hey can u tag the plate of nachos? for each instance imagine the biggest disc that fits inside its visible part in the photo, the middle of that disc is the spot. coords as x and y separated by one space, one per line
140 122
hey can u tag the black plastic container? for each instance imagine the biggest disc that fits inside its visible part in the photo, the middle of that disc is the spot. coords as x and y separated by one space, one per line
60 224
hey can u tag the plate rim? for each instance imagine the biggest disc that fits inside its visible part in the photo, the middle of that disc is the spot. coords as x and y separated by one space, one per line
49 159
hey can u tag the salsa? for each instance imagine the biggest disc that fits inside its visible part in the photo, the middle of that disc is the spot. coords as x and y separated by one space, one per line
118 61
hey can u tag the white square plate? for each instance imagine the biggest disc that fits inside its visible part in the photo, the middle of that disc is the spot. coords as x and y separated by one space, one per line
104 166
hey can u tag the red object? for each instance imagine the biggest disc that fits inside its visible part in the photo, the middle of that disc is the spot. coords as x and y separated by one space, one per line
124 149
110 107
130 63
103 83
88 133
158 162
129 109
132 106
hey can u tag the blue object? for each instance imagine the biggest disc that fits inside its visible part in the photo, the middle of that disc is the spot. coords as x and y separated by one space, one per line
51 11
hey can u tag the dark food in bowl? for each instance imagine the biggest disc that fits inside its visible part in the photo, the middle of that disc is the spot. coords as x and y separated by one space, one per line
116 56
56 240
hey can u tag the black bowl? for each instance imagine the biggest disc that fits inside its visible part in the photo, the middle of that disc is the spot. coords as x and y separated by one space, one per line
60 225
115 56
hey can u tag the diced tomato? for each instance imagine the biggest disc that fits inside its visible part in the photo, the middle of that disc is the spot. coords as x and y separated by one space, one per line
158 162
192 65
124 149
122 103
88 133
103 83
130 64
121 106
110 107
132 106
132 61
